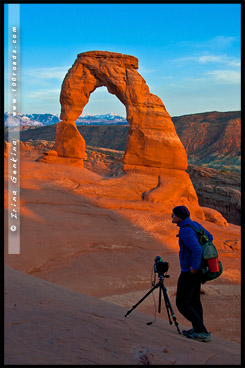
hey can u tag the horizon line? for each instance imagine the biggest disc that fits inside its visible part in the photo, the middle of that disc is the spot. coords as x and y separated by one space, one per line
117 114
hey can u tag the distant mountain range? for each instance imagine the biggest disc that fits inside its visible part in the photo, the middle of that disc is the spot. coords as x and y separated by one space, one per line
30 119
49 119
107 119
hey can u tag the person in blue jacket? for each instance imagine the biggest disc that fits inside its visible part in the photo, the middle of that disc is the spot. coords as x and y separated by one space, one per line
188 299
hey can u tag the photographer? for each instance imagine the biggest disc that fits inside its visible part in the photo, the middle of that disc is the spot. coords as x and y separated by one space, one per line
189 285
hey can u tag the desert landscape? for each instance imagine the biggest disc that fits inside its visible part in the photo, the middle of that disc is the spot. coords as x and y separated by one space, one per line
92 221
92 235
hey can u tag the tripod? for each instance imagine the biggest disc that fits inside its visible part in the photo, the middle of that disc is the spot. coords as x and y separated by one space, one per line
166 299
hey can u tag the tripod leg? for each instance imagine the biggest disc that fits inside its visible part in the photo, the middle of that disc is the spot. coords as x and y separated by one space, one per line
169 307
141 300
166 303
159 302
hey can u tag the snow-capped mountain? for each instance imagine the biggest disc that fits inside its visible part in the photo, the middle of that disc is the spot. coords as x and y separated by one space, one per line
45 119
49 119
106 119
29 119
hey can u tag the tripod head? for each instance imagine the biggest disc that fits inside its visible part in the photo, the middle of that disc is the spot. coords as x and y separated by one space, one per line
161 267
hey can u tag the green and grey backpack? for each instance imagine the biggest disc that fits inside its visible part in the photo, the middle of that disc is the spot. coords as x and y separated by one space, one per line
209 252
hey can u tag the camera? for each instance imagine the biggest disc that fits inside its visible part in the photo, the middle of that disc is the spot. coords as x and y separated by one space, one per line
160 267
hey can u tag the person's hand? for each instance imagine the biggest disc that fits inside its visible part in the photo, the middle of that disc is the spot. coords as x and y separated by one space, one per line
193 271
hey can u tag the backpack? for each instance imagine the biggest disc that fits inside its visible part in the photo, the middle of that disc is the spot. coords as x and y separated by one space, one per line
209 252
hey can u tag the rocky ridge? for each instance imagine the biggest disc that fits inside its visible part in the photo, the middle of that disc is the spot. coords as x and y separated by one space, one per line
216 189
210 139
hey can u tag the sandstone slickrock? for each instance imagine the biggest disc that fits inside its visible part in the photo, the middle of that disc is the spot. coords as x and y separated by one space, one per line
152 139
49 156
175 187
214 216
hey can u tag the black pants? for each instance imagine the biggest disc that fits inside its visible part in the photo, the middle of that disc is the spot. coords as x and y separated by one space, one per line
188 300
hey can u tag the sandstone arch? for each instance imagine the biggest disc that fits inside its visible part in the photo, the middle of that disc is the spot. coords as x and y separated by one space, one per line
152 143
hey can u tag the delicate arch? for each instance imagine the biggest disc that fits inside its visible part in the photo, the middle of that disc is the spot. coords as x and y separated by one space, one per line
152 139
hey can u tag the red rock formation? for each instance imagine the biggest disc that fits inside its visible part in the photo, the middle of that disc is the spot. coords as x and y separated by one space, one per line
152 139
214 216
68 141
153 146
175 188
7 147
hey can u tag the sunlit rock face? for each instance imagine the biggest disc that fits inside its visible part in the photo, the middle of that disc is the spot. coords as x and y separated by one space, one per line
68 140
152 140
153 146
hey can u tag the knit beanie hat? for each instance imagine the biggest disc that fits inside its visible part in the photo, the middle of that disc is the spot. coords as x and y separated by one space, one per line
181 212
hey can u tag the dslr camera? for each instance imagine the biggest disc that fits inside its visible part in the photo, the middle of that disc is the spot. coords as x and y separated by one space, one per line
160 267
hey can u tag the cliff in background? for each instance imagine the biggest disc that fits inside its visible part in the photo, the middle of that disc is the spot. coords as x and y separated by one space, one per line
218 190
212 139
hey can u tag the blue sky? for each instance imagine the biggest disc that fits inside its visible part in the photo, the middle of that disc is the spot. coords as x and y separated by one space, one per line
189 54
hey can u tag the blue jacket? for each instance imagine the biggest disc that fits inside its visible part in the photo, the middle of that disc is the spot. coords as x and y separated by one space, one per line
190 257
